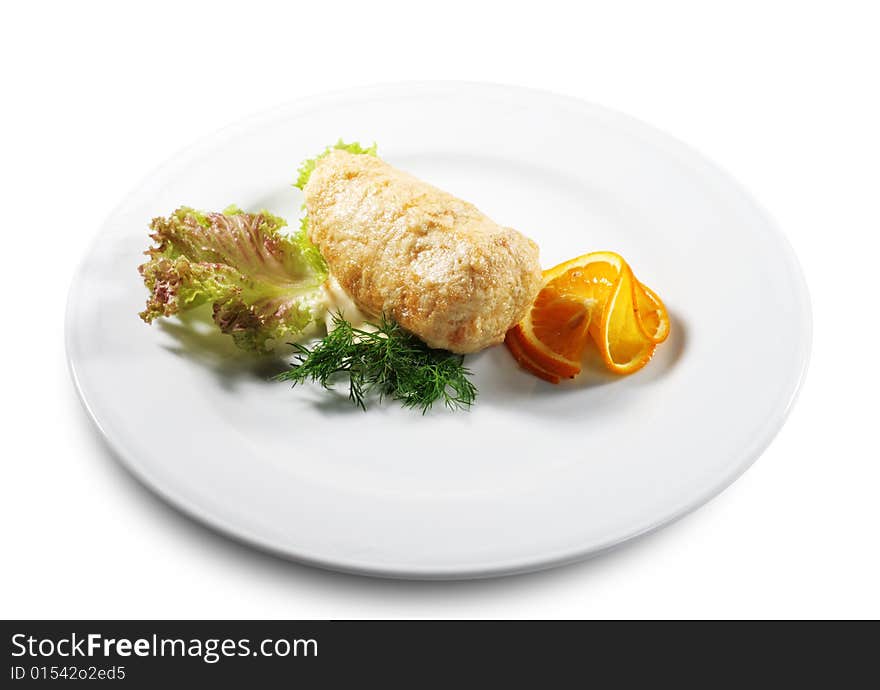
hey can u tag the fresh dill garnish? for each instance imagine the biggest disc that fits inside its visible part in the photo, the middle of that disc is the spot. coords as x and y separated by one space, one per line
388 362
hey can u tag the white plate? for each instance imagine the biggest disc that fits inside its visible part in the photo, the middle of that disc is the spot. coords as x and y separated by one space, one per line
535 475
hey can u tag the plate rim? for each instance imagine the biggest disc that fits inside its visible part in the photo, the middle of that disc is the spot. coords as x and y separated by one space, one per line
543 560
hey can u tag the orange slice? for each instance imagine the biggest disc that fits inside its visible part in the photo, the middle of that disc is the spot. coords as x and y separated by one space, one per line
594 296
556 330
653 319
621 337
513 340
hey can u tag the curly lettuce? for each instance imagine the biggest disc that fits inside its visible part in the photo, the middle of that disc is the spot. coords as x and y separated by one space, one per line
264 285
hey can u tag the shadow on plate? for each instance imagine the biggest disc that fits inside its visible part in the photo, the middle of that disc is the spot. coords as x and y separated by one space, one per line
197 339
498 377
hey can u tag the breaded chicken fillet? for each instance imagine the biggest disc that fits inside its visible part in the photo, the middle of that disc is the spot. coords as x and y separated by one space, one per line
426 259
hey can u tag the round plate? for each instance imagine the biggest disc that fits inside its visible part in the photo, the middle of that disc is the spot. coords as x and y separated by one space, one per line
534 475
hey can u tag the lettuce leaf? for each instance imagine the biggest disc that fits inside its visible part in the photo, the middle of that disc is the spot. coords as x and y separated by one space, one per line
305 170
265 286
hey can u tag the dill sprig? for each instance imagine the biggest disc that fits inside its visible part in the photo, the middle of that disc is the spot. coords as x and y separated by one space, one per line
387 362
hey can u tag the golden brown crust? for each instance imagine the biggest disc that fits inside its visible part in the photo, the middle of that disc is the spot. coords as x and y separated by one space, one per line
428 260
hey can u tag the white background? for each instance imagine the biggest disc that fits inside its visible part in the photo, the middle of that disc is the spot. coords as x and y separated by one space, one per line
783 95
